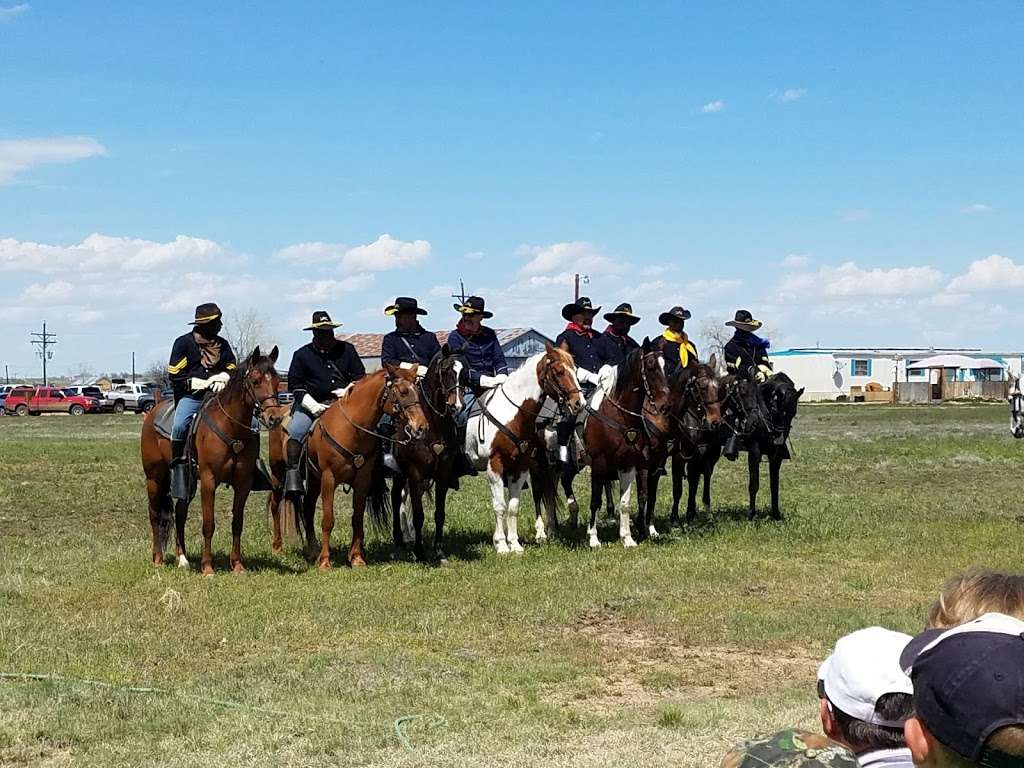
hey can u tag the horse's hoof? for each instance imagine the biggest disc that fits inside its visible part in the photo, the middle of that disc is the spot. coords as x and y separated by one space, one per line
182 561
541 537
653 532
628 542
516 548
276 549
595 543
238 569
207 570
440 556
357 562
501 547
158 561
324 564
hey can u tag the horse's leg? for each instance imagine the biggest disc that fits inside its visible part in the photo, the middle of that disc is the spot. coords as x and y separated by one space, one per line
208 490
609 501
515 489
678 462
327 487
498 502
397 484
180 516
645 514
596 490
626 478
274 500
651 499
692 482
416 499
540 531
157 521
709 470
440 499
754 481
237 521
774 465
355 551
566 477
408 530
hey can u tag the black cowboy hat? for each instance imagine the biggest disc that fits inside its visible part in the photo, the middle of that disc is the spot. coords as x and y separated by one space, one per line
623 310
206 313
744 321
474 305
321 320
582 304
404 304
676 313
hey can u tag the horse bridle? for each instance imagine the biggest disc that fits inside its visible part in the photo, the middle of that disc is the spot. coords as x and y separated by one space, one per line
257 408
700 410
444 391
646 407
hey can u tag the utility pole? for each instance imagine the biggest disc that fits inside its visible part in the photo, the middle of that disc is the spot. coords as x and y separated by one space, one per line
461 295
43 342
576 280
133 367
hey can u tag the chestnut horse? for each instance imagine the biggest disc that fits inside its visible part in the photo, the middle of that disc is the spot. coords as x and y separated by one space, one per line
502 438
342 449
619 434
431 459
225 448
277 449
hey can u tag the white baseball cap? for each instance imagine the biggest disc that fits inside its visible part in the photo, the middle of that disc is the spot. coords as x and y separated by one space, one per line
865 666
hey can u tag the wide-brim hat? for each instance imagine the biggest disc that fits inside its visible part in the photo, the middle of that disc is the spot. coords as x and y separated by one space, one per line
321 320
474 305
623 310
744 321
676 313
404 304
206 313
582 304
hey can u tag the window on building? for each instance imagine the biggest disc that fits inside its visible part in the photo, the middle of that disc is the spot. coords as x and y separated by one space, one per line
860 367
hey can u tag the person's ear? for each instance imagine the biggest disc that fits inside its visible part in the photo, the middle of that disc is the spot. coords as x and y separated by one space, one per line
828 723
919 740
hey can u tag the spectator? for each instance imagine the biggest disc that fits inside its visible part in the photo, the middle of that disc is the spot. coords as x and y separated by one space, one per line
791 748
866 697
968 694
975 593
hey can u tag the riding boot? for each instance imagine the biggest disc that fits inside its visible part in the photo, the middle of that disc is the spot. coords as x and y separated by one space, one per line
732 448
261 480
293 474
179 471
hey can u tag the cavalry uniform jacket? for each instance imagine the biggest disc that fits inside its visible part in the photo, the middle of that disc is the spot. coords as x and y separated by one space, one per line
419 346
319 373
750 350
483 354
671 351
187 362
582 347
612 348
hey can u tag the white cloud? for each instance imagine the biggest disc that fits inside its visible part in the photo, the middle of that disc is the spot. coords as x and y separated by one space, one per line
327 289
713 106
653 270
54 292
856 214
788 95
796 260
711 287
574 256
441 291
19 155
312 253
976 208
993 273
849 280
474 256
386 253
99 254
9 12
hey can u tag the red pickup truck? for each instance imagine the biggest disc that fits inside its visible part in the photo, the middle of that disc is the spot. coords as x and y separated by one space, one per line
22 401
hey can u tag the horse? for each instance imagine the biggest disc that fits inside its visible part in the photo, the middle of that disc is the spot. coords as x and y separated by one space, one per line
432 458
1016 400
502 438
277 449
768 433
225 448
696 400
342 449
619 435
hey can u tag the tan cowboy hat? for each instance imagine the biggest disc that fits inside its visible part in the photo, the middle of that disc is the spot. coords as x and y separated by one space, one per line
744 321
321 320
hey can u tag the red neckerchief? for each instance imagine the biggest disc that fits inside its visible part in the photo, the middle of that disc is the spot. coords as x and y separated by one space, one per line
461 328
610 330
579 329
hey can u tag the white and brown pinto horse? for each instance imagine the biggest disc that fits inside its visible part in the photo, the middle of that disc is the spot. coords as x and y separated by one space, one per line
502 439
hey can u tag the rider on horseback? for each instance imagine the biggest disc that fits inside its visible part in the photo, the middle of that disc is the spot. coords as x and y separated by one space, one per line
406 346
486 360
615 343
320 372
675 345
746 356
200 361
582 342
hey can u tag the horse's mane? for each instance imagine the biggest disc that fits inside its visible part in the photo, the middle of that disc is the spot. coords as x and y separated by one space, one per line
432 379
782 382
629 371
233 388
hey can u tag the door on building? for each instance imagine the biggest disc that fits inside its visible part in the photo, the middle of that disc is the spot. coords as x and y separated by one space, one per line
935 379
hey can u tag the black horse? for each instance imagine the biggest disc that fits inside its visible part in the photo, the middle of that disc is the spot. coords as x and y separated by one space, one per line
763 425
433 458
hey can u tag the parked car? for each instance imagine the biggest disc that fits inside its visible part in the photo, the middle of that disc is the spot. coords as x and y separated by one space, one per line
4 391
90 390
139 398
23 401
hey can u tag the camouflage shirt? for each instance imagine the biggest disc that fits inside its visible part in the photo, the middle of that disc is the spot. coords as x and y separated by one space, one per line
790 749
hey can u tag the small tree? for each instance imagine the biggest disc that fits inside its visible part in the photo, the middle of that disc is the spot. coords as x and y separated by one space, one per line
245 329
714 335
157 372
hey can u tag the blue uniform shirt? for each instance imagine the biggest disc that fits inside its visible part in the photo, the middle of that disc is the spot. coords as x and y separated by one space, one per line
483 353
419 346
319 373
612 349
582 347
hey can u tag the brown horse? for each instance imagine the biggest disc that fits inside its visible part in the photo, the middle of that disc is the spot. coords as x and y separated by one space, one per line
431 459
225 449
342 450
277 442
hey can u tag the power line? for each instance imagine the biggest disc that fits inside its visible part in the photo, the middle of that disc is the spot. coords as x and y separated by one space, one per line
42 342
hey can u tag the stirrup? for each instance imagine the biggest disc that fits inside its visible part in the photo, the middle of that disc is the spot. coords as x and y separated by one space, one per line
390 462
179 481
293 482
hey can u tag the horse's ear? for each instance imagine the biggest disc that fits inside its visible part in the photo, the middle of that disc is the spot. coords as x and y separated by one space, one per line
446 350
800 392
273 354
646 346
255 354
564 346
713 362
390 371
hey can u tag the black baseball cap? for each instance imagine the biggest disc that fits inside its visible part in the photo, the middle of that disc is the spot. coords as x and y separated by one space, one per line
968 683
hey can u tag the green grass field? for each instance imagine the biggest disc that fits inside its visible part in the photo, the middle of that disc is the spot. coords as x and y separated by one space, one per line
658 656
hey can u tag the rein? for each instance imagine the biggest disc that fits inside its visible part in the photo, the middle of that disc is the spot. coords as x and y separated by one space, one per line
237 445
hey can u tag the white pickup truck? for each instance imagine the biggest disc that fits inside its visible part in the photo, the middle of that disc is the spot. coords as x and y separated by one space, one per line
132 397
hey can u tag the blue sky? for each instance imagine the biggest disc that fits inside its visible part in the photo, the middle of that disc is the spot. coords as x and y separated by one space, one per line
849 173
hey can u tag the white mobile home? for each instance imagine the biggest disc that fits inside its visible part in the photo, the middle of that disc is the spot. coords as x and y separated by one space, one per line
828 373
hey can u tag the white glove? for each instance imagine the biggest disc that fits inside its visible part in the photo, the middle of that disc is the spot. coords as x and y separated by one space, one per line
587 377
312 405
763 373
218 381
490 382
606 377
196 384
340 393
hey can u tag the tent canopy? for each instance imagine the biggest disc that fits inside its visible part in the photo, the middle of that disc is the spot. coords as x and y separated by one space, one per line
957 361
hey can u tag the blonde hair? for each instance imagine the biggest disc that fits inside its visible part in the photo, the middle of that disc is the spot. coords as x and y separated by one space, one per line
975 593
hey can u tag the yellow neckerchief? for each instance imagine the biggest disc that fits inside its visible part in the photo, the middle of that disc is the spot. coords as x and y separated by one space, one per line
684 344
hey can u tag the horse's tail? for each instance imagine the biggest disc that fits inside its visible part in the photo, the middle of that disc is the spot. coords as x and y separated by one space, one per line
545 484
379 498
166 522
